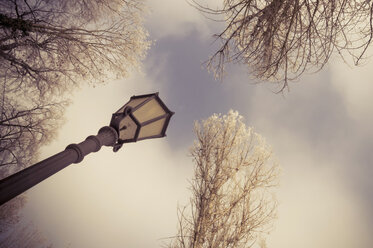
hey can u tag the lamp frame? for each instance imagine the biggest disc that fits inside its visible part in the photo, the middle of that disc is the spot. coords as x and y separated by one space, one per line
128 111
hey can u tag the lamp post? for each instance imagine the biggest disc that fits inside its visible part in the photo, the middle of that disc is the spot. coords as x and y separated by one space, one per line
143 117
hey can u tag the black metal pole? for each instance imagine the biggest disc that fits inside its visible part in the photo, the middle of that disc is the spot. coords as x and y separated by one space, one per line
21 181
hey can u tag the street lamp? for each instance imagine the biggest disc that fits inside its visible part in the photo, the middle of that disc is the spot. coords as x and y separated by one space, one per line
143 117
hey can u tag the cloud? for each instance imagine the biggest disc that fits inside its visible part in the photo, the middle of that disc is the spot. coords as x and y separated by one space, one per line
177 18
317 205
354 84
356 87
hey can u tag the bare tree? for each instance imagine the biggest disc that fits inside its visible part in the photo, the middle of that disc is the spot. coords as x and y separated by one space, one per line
17 233
9 213
232 204
21 234
51 45
281 39
23 130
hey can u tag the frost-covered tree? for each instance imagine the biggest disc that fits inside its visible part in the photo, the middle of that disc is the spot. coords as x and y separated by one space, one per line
280 39
232 204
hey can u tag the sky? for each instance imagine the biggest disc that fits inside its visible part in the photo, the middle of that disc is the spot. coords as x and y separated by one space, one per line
321 133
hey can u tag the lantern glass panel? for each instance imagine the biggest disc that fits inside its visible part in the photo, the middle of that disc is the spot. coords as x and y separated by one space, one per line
148 111
133 103
152 129
127 128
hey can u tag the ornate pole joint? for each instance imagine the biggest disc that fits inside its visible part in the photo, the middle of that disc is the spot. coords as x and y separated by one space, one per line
78 151
107 136
96 140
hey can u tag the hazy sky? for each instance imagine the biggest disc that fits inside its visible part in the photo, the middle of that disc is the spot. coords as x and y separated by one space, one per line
321 133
